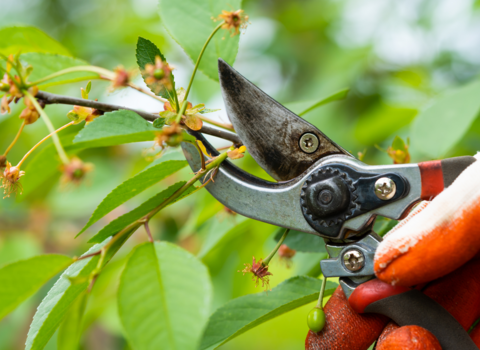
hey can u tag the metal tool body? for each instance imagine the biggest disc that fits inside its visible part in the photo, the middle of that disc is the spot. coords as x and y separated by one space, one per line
323 190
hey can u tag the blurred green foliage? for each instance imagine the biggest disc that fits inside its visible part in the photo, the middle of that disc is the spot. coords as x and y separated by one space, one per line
399 59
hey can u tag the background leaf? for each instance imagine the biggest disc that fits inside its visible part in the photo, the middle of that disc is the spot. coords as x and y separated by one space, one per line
134 186
302 242
244 313
115 128
45 64
198 14
442 124
123 221
164 298
21 279
63 294
28 39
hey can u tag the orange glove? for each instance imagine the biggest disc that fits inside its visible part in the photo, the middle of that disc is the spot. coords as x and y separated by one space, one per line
434 249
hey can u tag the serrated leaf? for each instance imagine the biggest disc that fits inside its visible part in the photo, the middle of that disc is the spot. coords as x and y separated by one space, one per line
123 221
45 64
164 298
146 53
63 294
302 242
115 128
28 39
134 186
21 279
244 313
70 329
198 14
440 126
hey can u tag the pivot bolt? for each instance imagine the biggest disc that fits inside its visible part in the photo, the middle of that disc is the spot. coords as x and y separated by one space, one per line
309 142
353 260
385 188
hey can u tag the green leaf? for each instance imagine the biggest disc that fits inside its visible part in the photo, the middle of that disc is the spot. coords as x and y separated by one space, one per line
244 313
221 230
164 298
198 14
146 53
381 121
70 329
159 123
56 304
115 128
301 241
45 64
337 96
134 186
439 127
28 39
123 221
21 279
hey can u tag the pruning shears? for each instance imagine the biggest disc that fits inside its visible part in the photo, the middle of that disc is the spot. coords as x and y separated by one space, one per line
325 191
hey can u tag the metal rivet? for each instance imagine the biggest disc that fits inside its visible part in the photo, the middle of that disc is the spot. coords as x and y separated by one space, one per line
325 197
353 260
385 188
309 142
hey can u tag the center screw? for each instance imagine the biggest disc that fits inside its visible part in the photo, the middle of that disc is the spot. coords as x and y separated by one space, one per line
353 260
309 142
385 188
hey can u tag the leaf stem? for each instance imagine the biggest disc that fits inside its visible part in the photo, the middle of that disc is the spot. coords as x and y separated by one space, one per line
149 233
266 261
99 70
68 81
41 141
215 162
179 116
56 140
16 138
320 295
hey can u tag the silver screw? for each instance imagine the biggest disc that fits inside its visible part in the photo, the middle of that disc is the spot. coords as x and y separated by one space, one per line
309 142
353 260
385 188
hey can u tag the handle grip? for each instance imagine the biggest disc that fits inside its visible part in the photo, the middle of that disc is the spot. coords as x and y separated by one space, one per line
409 307
439 174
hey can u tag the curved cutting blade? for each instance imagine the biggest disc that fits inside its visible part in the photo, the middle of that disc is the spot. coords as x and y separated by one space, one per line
271 132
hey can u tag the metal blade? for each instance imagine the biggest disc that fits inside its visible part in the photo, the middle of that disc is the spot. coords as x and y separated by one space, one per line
281 142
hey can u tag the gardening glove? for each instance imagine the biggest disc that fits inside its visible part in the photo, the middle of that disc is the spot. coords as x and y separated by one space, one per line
435 249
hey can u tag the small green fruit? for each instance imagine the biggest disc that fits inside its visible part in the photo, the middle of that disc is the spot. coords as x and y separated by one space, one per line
158 74
316 319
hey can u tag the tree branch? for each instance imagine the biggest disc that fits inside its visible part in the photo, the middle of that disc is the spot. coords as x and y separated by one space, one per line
50 98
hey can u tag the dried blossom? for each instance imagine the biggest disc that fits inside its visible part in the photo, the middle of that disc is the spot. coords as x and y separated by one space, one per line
79 113
236 153
169 136
234 21
121 79
75 171
158 75
10 180
30 113
285 253
259 271
398 151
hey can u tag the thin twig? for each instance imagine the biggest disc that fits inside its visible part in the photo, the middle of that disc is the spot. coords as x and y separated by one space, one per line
50 98
149 233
